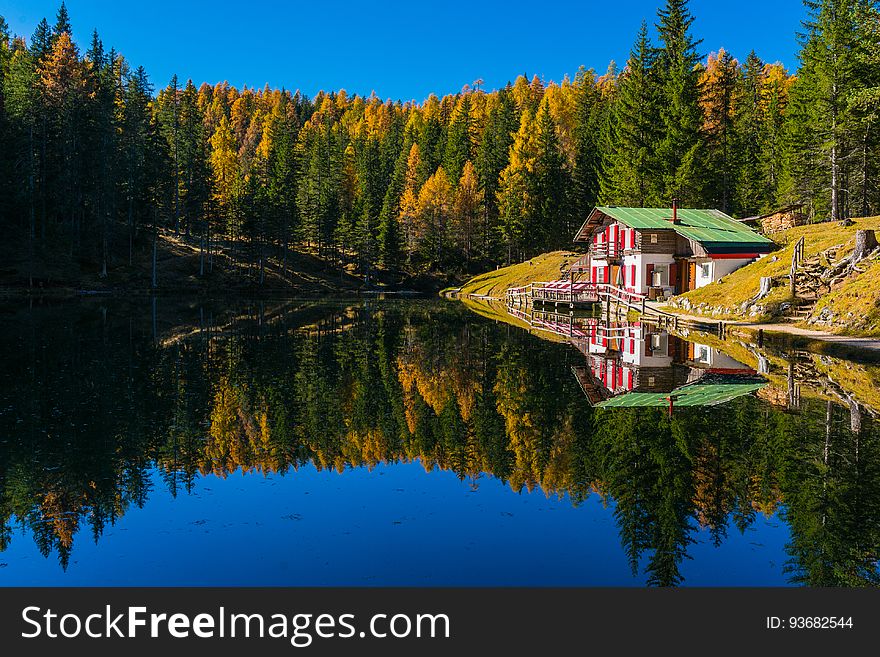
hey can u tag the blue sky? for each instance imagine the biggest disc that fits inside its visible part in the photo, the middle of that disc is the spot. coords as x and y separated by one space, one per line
400 50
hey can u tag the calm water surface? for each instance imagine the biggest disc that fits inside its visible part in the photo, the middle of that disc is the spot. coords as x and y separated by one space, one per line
411 443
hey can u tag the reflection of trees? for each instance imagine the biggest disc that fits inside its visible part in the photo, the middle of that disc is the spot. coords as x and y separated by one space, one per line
97 410
832 503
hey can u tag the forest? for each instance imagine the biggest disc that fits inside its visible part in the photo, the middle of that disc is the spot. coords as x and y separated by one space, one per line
104 176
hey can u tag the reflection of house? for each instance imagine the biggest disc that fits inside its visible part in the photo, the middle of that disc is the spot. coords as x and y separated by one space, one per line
664 251
639 365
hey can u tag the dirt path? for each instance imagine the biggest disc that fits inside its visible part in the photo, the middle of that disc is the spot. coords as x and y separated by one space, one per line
832 338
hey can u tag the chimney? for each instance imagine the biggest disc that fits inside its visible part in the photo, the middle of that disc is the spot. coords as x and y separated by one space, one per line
675 211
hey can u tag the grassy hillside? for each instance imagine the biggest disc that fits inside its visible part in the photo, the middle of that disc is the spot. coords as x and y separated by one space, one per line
725 298
854 307
545 267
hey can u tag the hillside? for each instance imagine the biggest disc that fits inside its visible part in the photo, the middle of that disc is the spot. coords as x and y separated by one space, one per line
54 270
493 284
851 307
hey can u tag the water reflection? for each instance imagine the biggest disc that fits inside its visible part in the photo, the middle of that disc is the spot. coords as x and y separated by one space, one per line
95 398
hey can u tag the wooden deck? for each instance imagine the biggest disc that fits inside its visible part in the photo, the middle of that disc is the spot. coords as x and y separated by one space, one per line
585 295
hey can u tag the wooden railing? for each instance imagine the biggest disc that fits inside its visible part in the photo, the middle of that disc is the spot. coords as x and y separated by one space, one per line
797 256
584 292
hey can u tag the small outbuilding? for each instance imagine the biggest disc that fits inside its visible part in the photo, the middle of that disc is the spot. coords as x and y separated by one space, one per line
782 219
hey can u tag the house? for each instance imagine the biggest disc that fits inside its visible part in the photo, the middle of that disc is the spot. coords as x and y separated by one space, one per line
663 251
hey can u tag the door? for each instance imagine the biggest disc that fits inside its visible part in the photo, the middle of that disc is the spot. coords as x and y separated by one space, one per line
692 276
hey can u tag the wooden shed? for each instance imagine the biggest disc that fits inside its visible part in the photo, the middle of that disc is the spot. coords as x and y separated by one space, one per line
778 220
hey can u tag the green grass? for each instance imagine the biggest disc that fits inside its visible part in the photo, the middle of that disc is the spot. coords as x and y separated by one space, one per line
743 284
494 284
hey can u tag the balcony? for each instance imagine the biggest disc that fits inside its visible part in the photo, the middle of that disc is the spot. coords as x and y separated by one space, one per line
606 251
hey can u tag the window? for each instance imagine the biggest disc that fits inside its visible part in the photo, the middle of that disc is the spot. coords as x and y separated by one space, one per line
659 275
706 269
653 238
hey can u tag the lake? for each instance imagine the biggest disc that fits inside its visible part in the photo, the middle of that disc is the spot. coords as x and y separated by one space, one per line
378 443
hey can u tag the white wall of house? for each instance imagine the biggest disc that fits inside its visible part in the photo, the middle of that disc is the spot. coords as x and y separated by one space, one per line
641 261
710 270
725 266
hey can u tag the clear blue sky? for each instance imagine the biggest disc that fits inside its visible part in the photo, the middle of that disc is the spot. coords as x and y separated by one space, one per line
402 50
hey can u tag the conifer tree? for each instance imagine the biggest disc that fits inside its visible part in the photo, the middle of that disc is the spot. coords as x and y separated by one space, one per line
631 171
459 146
516 202
467 210
679 151
548 226
435 209
492 157
750 185
719 84
590 115
822 126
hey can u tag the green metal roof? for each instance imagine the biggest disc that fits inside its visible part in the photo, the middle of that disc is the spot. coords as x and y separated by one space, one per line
696 394
713 229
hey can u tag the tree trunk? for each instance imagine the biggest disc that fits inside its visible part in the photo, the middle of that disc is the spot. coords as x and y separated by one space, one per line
855 416
866 241
154 277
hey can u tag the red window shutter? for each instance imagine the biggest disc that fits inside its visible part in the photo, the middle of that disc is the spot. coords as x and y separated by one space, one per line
629 383
632 276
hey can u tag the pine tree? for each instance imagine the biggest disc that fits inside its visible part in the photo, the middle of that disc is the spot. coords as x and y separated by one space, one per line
548 225
224 164
679 152
41 41
282 172
459 143
492 158
631 171
822 122
409 201
719 84
750 186
62 22
516 202
435 208
467 210
590 114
